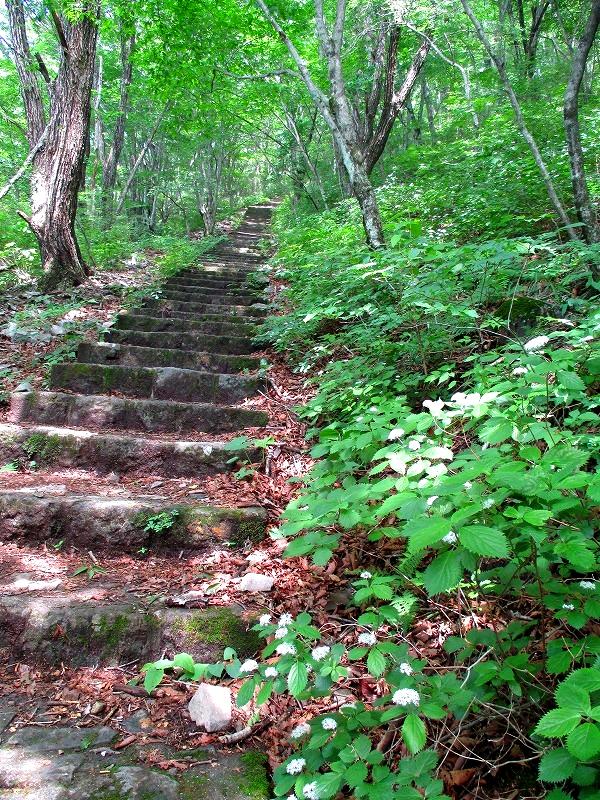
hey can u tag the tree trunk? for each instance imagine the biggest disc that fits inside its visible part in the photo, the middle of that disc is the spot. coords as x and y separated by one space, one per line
364 193
57 168
583 204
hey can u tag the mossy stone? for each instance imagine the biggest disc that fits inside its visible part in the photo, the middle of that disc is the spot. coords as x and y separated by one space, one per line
221 627
255 782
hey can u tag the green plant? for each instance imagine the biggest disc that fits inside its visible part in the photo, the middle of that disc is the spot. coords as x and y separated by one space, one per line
89 570
161 522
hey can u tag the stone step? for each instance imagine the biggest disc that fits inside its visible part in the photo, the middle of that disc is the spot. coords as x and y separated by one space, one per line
79 763
198 279
155 383
111 633
182 340
38 513
229 295
220 300
132 356
211 316
202 308
101 413
143 323
105 453
221 269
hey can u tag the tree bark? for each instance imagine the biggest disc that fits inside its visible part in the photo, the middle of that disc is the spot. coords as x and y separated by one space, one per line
520 120
583 204
138 160
57 167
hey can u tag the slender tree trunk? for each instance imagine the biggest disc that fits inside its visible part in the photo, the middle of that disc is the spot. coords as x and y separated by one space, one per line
583 204
57 168
520 120
138 161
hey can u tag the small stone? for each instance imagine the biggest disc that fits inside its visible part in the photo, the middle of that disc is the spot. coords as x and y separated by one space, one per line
25 386
57 330
97 708
210 707
139 722
36 586
254 582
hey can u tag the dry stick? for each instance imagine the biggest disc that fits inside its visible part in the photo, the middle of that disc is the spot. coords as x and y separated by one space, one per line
521 124
27 163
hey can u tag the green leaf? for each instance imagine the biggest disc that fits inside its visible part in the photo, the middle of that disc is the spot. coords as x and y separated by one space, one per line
265 692
557 722
443 573
328 784
297 678
245 692
414 733
484 541
152 678
376 662
584 742
496 430
185 661
570 380
424 532
573 697
557 765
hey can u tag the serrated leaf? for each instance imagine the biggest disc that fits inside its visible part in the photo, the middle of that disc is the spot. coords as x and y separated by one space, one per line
584 742
425 532
297 678
414 733
558 722
484 541
328 785
152 678
557 765
570 380
443 573
376 662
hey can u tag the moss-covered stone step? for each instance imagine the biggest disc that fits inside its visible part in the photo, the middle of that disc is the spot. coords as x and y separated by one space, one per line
193 296
199 279
220 269
183 284
127 355
38 514
101 413
155 383
224 278
161 306
106 453
143 323
79 763
184 340
123 631
210 316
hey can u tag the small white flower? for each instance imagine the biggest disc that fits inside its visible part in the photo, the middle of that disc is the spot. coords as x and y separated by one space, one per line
373 410
265 620
286 649
319 653
435 407
395 434
436 470
519 371
250 665
329 724
468 485
281 633
300 730
360 418
568 607
414 445
566 322
271 672
588 585
587 339
423 483
286 619
310 791
365 575
367 638
488 502
450 538
295 766
431 500
406 697
405 668
536 343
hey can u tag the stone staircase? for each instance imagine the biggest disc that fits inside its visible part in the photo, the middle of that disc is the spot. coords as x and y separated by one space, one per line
161 397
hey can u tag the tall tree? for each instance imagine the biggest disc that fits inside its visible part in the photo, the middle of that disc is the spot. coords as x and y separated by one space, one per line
57 166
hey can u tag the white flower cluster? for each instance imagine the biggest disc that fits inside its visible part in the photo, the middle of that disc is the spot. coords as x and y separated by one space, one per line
406 697
395 434
265 620
367 638
286 649
405 668
310 791
568 607
286 619
271 672
588 585
365 575
250 665
537 343
295 766
450 538
303 729
319 653
282 632
519 371
329 724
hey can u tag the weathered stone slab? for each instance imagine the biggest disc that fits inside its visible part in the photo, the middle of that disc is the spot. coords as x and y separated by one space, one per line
184 340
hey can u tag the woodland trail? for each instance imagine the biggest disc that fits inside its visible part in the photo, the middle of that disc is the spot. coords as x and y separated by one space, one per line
161 398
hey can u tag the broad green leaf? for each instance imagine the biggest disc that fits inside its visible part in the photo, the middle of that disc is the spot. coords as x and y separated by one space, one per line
557 722
246 692
584 742
152 678
557 765
443 573
414 733
484 541
376 662
297 678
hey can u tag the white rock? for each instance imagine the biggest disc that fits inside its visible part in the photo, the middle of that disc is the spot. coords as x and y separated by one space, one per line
253 582
210 707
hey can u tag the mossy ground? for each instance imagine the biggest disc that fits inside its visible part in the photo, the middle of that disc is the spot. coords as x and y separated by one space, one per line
255 782
222 627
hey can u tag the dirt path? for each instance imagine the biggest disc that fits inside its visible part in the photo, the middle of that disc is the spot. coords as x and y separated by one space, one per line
100 544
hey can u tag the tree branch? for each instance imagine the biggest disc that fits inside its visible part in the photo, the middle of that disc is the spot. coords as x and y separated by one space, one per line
23 168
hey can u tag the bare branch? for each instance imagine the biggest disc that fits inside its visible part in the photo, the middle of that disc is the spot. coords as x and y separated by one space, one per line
23 168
